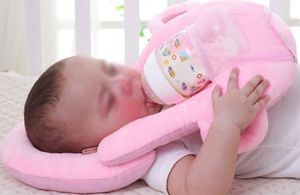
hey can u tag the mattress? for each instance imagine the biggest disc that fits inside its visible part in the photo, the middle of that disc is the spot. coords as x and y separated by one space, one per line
13 91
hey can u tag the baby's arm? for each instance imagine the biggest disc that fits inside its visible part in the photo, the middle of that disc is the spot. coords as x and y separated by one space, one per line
211 171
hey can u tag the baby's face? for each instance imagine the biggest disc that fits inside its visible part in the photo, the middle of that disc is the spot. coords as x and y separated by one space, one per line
99 97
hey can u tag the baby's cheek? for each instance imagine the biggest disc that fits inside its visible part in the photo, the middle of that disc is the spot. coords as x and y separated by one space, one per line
134 110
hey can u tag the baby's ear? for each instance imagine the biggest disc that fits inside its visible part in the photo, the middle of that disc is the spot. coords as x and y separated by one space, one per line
89 150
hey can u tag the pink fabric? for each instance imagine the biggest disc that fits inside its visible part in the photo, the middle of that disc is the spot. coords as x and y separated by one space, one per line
65 172
268 54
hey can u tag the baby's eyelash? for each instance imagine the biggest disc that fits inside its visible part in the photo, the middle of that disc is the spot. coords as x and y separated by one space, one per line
111 101
113 70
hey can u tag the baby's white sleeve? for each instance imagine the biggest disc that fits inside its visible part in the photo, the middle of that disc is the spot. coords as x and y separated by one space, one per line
166 158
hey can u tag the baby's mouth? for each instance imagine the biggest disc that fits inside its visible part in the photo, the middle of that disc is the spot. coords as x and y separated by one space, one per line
147 101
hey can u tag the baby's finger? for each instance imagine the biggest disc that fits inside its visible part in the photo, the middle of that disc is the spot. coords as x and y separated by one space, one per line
258 91
216 93
260 104
233 79
251 85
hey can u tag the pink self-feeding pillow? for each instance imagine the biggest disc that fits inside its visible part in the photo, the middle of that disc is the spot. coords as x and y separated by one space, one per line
67 172
271 53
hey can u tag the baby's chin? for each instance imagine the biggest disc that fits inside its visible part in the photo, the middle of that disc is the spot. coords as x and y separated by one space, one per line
153 107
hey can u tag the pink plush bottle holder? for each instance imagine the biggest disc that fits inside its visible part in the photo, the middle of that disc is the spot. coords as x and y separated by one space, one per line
264 52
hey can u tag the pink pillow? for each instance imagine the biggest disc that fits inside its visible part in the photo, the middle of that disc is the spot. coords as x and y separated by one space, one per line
76 173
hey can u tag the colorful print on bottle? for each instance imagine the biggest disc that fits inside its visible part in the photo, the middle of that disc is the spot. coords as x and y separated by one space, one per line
180 65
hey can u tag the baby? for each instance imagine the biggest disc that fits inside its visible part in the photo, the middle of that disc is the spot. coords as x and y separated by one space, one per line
79 100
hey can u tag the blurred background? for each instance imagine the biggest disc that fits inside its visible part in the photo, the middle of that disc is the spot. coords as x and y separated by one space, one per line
107 35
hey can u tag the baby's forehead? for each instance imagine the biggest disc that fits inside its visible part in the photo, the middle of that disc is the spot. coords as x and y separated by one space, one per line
81 60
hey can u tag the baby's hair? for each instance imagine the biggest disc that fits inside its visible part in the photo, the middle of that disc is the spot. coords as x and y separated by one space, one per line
44 131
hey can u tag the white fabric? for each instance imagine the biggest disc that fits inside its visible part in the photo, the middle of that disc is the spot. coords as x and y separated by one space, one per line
167 157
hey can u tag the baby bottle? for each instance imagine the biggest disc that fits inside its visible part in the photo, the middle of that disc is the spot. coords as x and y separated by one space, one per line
185 63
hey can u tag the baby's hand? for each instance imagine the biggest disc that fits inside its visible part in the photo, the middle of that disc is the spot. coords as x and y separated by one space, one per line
239 107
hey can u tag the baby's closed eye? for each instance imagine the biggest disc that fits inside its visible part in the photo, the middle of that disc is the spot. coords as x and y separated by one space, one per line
113 70
111 101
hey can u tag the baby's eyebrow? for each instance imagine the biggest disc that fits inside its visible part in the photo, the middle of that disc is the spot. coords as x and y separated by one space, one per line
105 105
104 108
102 62
101 93
103 65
